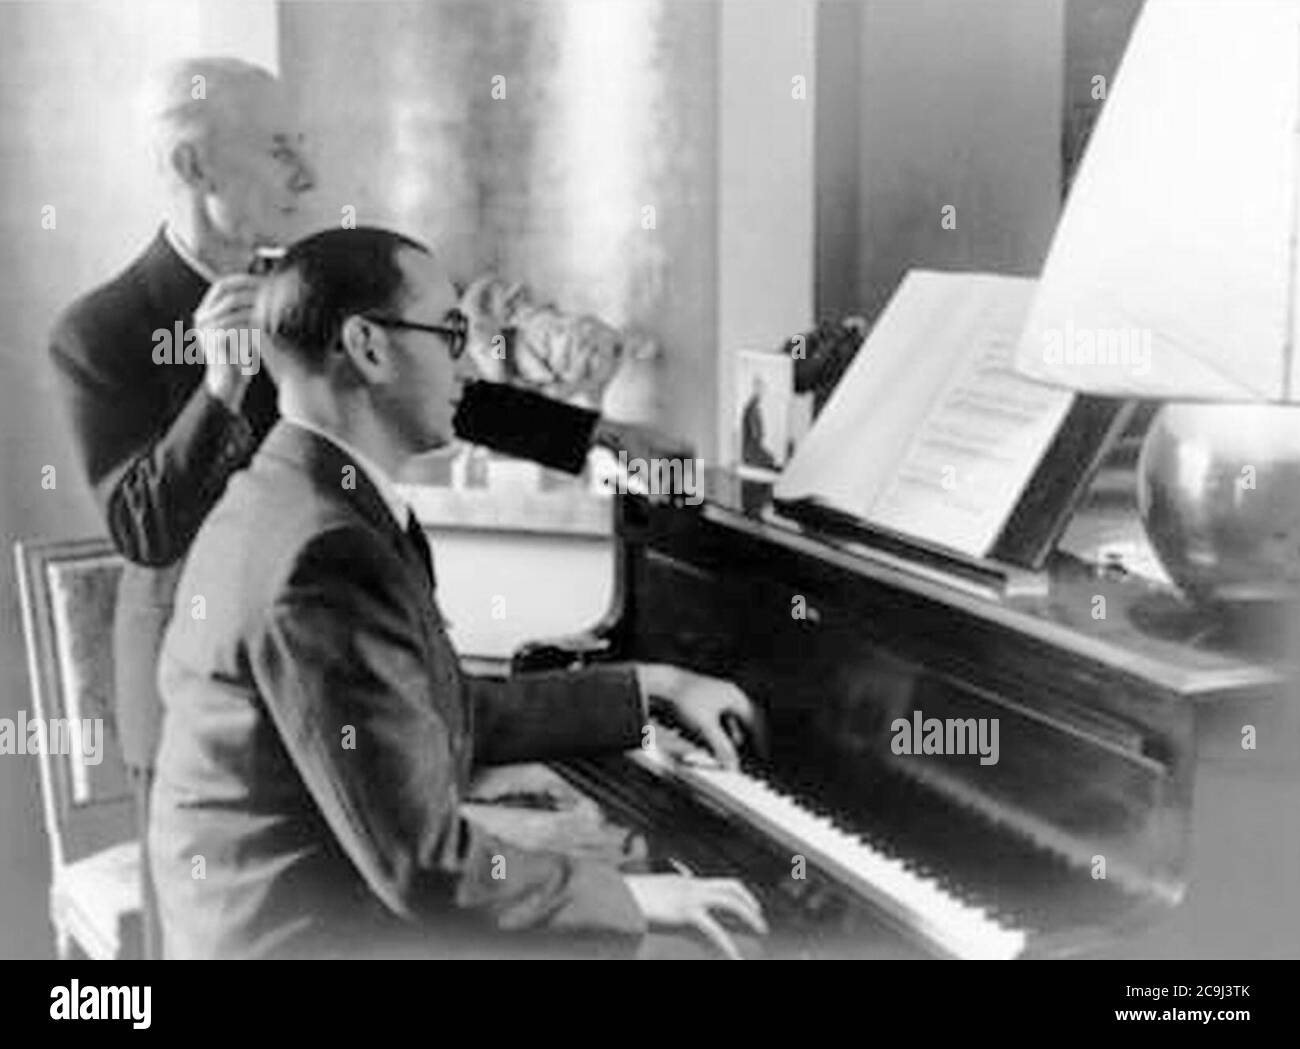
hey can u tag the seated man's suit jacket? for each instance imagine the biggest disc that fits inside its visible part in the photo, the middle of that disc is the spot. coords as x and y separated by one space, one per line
319 733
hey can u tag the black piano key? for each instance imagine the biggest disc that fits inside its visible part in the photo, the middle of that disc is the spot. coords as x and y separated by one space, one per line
1020 884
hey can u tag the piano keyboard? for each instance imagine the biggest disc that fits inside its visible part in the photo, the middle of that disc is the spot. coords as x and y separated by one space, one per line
951 925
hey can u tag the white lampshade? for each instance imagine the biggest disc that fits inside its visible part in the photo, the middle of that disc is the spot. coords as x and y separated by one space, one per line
1173 272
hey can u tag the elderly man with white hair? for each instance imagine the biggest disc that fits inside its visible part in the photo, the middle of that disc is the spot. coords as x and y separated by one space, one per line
158 441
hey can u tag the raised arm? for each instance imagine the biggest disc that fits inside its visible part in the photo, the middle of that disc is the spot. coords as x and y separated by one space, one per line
154 476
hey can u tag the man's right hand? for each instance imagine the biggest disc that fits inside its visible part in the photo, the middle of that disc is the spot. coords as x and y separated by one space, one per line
681 900
227 304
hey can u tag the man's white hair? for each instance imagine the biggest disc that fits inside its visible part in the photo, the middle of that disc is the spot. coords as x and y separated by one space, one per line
193 99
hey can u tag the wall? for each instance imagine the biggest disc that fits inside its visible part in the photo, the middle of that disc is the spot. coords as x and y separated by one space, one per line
959 102
607 108
837 156
764 288
1096 33
69 74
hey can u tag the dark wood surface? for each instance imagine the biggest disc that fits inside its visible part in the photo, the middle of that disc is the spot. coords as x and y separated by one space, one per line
1120 737
1148 630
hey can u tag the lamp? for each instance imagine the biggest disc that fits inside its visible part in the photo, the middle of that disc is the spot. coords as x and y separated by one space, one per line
1173 276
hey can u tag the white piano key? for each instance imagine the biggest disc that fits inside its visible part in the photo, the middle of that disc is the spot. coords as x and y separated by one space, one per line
957 927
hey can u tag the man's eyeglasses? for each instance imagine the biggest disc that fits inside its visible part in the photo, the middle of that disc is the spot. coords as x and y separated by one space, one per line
455 331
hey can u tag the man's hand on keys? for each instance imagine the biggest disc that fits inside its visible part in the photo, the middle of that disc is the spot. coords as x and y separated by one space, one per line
716 711
677 900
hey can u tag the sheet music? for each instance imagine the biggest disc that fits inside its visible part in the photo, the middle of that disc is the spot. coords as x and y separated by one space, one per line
950 434
974 453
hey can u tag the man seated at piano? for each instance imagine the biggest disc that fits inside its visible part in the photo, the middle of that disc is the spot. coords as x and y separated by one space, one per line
320 732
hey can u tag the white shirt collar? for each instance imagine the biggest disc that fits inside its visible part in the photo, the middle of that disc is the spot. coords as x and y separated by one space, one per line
398 506
187 256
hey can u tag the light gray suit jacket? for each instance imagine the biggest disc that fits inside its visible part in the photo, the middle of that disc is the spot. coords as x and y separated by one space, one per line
320 732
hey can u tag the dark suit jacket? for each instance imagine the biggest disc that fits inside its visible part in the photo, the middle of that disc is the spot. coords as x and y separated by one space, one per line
157 450
319 733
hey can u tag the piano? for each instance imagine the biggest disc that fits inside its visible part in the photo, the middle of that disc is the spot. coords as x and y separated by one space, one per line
1123 815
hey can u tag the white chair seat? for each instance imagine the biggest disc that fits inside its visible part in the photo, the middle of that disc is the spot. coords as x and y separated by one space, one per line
91 897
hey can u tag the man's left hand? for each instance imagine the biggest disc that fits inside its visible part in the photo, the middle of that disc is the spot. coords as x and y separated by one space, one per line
718 711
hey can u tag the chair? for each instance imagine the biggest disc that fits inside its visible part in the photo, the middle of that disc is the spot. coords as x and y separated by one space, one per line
68 591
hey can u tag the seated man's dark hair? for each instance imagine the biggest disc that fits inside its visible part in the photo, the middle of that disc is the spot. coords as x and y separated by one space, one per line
322 280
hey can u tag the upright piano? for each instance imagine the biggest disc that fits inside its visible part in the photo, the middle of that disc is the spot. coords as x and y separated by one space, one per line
1145 799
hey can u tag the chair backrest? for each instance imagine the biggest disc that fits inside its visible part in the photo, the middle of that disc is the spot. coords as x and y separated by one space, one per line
68 590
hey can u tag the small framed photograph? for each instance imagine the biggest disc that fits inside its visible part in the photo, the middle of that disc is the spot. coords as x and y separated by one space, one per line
764 398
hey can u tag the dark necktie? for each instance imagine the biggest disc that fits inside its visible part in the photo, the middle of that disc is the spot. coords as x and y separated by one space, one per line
415 533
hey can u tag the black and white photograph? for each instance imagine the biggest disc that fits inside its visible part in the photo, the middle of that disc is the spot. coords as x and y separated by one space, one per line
764 386
757 480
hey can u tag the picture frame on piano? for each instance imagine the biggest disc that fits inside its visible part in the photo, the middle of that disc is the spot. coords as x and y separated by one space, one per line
762 413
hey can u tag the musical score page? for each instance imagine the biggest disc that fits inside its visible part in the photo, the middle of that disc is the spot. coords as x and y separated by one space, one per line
930 432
